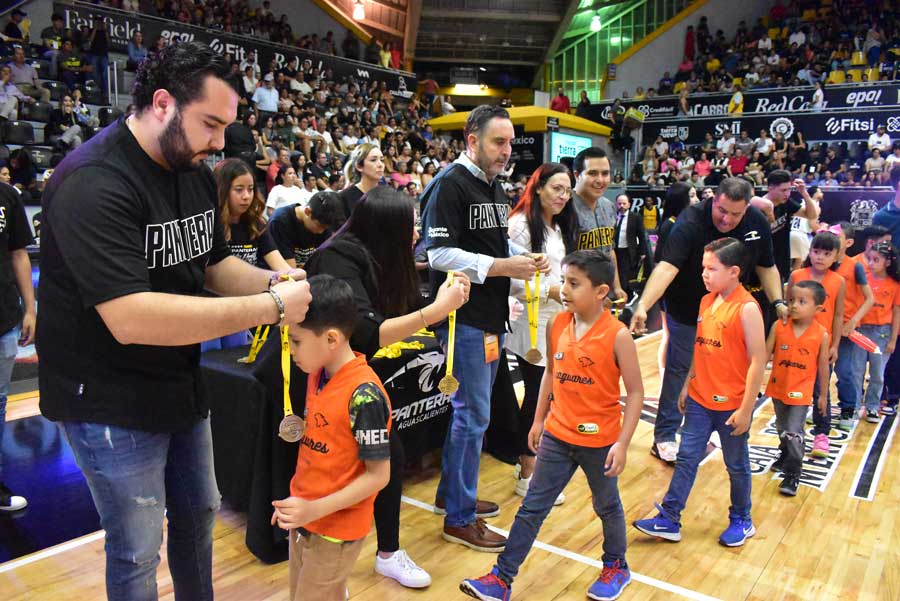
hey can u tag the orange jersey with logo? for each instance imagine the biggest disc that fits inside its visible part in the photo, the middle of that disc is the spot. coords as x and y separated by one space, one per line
887 294
853 296
721 362
585 407
832 284
795 362
328 459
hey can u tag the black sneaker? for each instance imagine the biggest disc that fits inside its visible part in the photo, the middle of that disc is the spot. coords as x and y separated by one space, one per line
789 485
9 501
778 464
872 416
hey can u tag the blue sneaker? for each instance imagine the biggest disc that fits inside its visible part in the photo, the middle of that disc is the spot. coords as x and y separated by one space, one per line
612 580
487 588
738 531
660 527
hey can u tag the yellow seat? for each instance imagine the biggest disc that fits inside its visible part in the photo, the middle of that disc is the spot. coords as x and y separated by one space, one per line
836 77
809 15
872 74
774 32
857 59
785 33
855 75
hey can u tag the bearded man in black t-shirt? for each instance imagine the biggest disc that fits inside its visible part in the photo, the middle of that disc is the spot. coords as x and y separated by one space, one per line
131 239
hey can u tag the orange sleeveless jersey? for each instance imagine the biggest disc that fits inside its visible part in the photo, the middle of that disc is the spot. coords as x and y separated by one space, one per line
853 296
329 455
794 363
585 407
887 294
720 353
832 284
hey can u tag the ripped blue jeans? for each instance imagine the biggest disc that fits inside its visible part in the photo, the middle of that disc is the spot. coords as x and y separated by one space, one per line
136 478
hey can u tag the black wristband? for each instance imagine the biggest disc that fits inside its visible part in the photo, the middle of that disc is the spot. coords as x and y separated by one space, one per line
778 302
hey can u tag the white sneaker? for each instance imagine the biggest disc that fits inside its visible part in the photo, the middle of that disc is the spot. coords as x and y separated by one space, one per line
666 451
9 501
404 570
523 483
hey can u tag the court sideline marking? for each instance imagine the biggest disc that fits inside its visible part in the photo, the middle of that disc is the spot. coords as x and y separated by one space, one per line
660 584
50 552
883 438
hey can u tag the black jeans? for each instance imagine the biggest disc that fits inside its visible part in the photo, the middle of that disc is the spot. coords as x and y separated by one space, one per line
531 376
387 503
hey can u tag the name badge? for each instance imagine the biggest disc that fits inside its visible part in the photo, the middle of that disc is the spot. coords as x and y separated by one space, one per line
588 428
795 395
718 398
491 348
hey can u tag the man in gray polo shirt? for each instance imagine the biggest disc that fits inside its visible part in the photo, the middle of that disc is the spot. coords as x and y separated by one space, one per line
25 77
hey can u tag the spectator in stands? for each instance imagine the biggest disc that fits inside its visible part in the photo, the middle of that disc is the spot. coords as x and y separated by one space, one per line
880 140
666 85
584 106
284 159
875 163
23 175
265 98
72 67
286 191
384 55
446 107
702 168
319 168
560 102
137 52
764 144
650 165
98 46
297 231
350 46
737 164
893 160
25 77
10 96
736 104
745 143
818 98
82 112
725 144
52 39
249 81
718 169
250 61
64 123
872 46
13 30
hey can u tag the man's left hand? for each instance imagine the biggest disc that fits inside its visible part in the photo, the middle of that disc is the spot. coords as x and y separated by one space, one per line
27 335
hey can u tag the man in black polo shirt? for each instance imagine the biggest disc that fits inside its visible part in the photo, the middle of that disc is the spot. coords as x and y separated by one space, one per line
131 238
678 276
465 230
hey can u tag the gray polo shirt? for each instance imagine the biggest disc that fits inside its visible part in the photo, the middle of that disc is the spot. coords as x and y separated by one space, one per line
26 74
596 228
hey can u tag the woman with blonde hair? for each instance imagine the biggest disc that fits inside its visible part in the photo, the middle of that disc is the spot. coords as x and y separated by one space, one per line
363 171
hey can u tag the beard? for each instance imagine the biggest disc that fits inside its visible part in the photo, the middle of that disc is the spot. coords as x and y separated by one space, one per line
176 149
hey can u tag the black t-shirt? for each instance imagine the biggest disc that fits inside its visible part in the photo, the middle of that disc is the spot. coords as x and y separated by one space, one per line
465 212
13 31
116 223
291 237
314 170
781 235
350 197
693 230
239 141
15 234
250 250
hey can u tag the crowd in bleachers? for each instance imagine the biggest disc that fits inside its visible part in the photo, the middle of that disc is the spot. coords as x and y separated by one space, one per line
797 44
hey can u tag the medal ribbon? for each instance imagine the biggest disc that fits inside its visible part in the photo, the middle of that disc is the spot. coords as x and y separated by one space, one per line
286 370
451 326
533 304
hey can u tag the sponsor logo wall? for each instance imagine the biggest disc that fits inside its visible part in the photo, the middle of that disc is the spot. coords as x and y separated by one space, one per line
122 25
815 126
781 100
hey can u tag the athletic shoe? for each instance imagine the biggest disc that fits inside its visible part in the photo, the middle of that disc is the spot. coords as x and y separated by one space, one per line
404 570
9 501
483 509
612 580
738 531
487 588
666 451
821 446
777 464
889 408
660 527
872 416
522 485
846 421
789 485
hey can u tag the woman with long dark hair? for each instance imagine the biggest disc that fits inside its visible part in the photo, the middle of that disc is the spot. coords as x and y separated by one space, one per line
373 252
544 222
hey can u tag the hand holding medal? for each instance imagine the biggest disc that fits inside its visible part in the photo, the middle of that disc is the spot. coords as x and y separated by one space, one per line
533 305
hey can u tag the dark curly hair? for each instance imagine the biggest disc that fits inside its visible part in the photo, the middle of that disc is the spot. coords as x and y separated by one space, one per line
181 69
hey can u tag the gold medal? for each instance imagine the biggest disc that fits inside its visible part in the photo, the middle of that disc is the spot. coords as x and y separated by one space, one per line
449 384
533 305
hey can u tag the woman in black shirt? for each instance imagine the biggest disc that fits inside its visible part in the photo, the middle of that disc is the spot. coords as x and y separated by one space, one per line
64 123
363 171
373 252
241 209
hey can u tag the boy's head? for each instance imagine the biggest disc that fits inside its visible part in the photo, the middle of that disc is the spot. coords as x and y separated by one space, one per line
807 299
326 211
724 260
587 278
328 325
847 235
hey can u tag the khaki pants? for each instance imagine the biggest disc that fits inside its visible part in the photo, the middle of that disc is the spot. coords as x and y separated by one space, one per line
318 569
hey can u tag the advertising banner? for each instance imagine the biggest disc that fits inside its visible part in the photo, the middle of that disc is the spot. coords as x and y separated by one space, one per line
771 100
527 152
121 25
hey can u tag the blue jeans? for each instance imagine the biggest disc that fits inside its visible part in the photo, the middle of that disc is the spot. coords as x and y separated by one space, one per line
471 404
679 352
101 73
850 369
699 423
821 423
555 465
136 478
9 346
879 335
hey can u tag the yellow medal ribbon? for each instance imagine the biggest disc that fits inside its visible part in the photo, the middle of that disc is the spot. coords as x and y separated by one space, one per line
286 370
259 339
449 384
533 306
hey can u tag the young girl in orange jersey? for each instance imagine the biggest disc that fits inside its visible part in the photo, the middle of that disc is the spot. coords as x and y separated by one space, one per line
858 300
882 321
578 423
800 347
719 394
820 267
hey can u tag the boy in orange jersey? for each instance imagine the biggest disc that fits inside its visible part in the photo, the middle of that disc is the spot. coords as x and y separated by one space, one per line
719 394
344 457
801 349
578 423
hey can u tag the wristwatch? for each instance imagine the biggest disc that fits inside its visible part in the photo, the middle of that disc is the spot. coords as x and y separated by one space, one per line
778 302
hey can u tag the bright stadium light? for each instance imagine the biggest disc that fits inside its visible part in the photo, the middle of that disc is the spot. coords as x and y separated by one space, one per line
359 10
595 23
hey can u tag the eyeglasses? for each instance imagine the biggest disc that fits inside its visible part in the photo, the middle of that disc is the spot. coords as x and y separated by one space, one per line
561 190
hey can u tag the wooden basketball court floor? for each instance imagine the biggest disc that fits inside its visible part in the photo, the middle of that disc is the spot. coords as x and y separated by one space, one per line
839 538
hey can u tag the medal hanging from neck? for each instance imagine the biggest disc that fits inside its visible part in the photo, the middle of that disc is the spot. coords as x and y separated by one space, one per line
449 384
533 305
259 339
291 427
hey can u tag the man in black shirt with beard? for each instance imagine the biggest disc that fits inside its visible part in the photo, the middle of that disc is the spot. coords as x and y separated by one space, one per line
131 238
